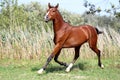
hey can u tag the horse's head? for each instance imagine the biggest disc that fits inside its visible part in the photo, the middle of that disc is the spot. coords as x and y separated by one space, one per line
51 12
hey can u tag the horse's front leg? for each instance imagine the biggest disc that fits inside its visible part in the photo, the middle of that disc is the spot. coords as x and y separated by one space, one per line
59 62
55 51
75 58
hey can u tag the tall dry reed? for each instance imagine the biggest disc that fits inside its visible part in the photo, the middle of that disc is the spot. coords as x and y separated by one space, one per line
28 44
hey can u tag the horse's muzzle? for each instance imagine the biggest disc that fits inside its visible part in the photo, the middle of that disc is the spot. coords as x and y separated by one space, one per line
46 18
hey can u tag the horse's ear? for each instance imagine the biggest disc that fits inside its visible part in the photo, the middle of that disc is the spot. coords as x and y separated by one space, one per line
49 5
57 5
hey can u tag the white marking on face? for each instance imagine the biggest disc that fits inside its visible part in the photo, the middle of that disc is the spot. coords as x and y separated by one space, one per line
46 15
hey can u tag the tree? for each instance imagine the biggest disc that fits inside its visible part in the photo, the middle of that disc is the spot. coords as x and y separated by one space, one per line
92 9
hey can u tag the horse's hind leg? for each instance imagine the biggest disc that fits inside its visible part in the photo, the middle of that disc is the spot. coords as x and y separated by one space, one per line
93 46
75 58
59 62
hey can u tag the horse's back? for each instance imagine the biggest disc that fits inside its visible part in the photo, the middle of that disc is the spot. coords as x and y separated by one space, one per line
86 30
90 30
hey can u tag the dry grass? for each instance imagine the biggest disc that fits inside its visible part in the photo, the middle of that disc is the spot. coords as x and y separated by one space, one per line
28 44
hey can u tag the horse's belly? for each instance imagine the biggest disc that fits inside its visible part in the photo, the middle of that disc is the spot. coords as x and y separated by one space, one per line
73 42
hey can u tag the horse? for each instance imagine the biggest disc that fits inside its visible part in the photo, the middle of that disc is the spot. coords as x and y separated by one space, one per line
68 36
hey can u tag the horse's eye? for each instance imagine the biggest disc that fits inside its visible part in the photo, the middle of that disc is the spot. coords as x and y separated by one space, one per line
53 11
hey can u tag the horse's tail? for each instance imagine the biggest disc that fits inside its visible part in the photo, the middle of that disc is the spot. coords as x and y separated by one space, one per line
98 32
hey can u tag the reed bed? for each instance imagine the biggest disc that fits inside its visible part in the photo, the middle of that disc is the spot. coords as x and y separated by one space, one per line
24 34
28 44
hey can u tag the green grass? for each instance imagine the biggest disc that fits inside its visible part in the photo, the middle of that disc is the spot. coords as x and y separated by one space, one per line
86 69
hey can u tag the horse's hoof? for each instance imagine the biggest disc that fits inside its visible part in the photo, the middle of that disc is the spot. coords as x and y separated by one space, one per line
40 71
69 67
102 66
67 70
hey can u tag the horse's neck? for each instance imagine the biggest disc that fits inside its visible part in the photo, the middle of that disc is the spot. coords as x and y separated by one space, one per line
58 23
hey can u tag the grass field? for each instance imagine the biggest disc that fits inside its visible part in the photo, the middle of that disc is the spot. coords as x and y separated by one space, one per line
84 69
26 41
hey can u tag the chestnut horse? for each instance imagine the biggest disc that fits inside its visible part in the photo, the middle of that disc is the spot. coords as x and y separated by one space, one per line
68 36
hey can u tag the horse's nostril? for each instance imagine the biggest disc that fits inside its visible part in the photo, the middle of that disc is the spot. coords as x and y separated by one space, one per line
46 18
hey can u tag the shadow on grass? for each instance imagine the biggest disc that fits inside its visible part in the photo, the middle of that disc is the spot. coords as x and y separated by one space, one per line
55 69
50 69
35 68
81 66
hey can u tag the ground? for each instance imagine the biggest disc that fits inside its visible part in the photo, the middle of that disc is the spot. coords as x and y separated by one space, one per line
82 70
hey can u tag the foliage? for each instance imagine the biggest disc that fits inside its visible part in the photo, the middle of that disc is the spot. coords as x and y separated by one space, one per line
102 21
25 35
26 41
14 16
115 9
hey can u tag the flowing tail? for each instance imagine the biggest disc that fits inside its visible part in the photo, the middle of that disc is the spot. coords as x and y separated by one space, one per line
98 32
